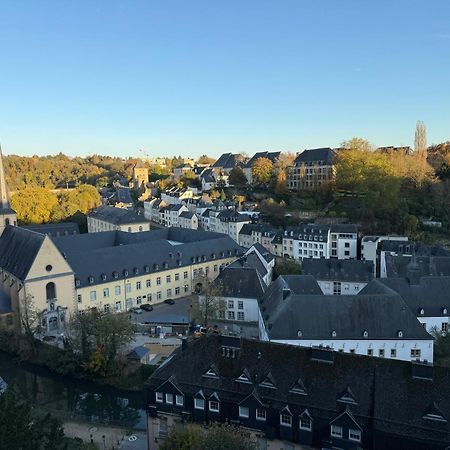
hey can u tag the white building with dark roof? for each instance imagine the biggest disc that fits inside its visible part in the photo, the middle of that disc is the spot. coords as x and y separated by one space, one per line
378 324
108 218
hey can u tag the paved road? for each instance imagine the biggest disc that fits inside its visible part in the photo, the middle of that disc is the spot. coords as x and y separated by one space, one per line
179 313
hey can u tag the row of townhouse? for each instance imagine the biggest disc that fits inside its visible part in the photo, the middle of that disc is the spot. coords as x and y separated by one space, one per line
338 241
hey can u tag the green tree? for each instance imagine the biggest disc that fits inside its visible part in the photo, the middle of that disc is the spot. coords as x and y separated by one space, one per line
98 336
187 438
262 170
209 303
237 177
21 429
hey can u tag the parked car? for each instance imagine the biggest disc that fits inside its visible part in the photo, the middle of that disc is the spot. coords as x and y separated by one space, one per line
146 307
169 301
136 310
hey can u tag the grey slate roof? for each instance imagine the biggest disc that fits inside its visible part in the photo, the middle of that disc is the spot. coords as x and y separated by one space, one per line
385 390
101 255
322 156
431 294
407 248
338 269
317 316
240 282
272 156
124 195
117 216
228 161
18 250
55 229
397 266
138 353
187 214
250 260
263 251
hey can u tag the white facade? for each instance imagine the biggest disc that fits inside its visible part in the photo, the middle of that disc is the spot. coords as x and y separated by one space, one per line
441 323
402 349
151 209
310 249
169 217
96 225
343 245
186 222
240 309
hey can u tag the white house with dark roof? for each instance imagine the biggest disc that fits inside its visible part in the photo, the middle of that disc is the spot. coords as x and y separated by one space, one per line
108 218
188 219
379 324
339 276
152 208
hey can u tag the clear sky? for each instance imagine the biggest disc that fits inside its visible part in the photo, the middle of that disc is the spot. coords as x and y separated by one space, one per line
191 77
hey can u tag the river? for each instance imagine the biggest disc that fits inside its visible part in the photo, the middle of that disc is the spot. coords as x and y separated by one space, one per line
74 400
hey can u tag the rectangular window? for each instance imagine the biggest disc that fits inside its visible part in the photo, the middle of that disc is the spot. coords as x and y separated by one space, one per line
214 406
230 315
128 288
381 353
158 281
336 431
169 398
149 297
231 304
354 435
186 288
285 420
118 306
240 315
243 412
158 295
444 327
185 275
199 403
369 352
93 295
177 276
177 291
261 414
148 283
106 292
138 285
415 353
168 279
117 290
347 253
305 423
240 304
106 308
159 397
138 300
79 298
393 353
179 400
169 293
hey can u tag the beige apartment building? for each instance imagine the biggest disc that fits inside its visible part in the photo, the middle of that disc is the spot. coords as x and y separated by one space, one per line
110 218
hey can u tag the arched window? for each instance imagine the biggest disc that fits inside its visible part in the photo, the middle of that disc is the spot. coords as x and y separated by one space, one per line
50 290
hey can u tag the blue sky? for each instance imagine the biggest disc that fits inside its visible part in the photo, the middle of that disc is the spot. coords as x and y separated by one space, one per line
191 77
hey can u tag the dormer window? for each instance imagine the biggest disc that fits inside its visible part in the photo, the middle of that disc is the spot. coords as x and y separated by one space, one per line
285 420
268 382
115 274
211 373
365 334
125 273
91 280
103 276
400 334
444 310
166 265
159 397
305 423
146 269
299 333
77 282
213 256
155 266
244 377
136 271
333 334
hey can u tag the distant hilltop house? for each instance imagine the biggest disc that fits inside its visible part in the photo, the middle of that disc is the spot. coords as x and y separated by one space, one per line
248 167
108 218
312 169
391 149
227 162
182 169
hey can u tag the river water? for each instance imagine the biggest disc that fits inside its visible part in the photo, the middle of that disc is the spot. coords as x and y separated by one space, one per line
70 399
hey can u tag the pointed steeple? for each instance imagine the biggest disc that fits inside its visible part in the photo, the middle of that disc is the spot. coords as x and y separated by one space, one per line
4 196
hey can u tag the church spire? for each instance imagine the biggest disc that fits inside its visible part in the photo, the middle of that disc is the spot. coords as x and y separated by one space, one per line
4 197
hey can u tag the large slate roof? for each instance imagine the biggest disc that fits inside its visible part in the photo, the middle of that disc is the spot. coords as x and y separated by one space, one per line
100 255
350 270
430 294
228 161
18 250
240 282
272 156
250 260
398 266
385 391
117 216
55 229
317 316
324 156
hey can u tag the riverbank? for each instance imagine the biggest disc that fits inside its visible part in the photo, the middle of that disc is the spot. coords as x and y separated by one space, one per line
130 377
